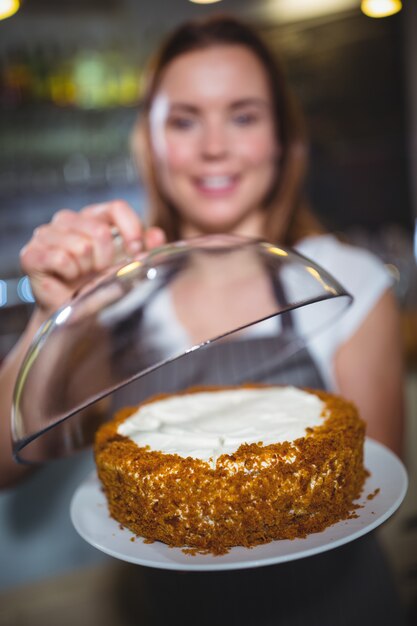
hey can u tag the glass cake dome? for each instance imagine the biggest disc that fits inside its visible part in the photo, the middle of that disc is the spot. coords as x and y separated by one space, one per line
214 310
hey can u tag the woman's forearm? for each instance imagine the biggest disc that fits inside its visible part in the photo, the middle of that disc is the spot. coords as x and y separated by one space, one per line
10 471
370 372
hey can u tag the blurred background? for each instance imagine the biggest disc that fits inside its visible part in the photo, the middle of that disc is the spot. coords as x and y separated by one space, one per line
70 90
70 76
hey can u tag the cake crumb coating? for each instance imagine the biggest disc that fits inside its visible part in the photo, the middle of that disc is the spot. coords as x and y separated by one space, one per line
256 495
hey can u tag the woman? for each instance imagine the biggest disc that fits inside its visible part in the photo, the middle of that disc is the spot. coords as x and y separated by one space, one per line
222 148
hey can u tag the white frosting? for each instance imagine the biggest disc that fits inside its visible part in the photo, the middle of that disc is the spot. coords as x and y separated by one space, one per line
205 425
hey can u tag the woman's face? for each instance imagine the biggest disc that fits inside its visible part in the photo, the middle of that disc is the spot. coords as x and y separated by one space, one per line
214 140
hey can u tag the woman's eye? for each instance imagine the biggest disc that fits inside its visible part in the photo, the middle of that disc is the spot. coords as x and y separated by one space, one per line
180 123
245 119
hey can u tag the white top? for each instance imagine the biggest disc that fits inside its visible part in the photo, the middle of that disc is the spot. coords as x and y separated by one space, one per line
206 424
361 273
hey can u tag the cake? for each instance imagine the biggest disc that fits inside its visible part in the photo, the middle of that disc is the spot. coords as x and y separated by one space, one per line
212 468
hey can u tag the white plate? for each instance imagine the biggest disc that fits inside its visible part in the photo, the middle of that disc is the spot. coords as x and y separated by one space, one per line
91 519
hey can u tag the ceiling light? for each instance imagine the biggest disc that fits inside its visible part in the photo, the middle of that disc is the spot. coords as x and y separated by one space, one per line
204 1
380 8
8 8
285 11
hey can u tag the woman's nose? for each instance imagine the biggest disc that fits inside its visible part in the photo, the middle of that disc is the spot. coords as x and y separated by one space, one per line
214 142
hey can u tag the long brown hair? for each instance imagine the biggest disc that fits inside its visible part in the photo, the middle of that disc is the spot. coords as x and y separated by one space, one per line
288 217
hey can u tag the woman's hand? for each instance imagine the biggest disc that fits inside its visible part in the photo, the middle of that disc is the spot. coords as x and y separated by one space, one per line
60 257
74 246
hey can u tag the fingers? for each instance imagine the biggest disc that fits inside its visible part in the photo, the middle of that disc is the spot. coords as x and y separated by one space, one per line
154 237
37 259
89 240
75 245
53 274
120 214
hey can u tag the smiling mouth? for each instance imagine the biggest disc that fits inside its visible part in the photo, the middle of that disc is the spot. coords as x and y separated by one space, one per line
216 183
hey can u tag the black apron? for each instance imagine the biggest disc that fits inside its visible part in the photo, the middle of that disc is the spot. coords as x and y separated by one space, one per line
279 358
347 586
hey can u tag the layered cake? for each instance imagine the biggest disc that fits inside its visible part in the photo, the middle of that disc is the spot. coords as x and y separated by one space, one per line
212 468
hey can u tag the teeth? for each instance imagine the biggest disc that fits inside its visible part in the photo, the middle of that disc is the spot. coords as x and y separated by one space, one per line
216 182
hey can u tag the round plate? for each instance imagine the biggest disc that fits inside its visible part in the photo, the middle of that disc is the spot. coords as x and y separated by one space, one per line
91 519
